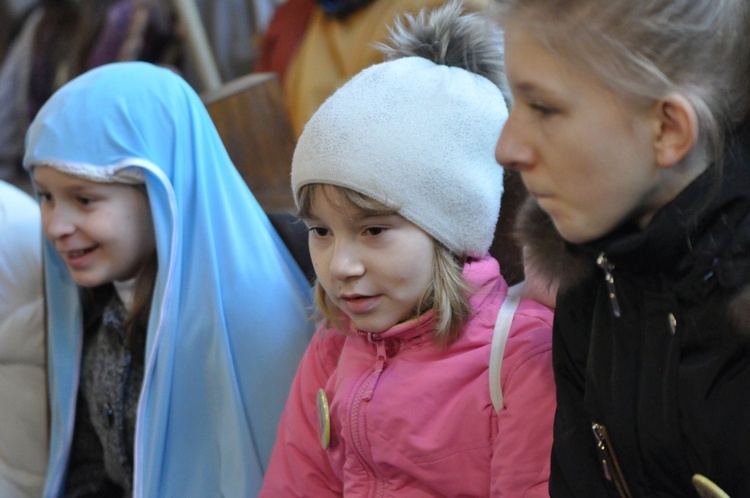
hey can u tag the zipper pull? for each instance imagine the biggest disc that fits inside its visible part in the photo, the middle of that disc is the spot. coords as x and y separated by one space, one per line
380 359
605 265
612 470
381 355
601 445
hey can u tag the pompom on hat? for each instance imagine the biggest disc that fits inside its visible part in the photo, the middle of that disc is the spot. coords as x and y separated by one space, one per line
417 136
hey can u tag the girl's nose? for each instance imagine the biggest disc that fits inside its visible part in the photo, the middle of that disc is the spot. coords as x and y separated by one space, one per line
346 262
57 223
511 150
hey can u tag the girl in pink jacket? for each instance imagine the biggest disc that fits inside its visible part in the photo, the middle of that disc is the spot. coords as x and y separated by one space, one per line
396 179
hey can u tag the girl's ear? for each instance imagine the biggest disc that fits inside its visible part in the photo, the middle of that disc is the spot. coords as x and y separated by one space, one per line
677 129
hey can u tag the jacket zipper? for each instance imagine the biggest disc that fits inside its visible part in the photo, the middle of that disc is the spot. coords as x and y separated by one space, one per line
605 265
364 394
611 466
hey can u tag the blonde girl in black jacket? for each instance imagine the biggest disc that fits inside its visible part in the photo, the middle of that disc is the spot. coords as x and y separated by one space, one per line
627 131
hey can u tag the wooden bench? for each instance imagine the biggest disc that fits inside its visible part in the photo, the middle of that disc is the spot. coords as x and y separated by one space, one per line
251 117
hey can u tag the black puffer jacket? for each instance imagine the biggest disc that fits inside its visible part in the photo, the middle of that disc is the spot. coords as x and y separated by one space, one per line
654 346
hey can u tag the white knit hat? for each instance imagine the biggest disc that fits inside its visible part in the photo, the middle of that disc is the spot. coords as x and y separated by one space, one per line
415 135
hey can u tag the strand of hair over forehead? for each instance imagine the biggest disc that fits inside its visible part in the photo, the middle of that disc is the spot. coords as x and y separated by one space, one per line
448 37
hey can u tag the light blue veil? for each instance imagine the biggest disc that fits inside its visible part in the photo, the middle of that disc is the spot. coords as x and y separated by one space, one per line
229 317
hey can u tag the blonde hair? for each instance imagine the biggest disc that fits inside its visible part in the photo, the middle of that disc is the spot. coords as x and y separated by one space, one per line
646 49
447 294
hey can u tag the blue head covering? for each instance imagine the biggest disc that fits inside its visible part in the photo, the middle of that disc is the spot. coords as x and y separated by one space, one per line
228 321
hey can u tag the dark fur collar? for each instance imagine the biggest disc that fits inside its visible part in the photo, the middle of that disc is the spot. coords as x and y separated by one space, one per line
546 250
556 260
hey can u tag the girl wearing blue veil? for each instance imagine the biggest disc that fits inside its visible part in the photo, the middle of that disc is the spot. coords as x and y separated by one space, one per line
176 316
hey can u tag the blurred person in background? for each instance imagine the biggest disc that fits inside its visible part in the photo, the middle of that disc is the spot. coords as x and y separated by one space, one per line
23 410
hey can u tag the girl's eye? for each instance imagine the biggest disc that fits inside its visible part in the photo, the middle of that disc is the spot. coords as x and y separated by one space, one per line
374 230
44 196
542 109
319 231
84 200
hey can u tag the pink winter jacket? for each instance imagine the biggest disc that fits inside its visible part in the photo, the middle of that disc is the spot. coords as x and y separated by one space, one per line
410 419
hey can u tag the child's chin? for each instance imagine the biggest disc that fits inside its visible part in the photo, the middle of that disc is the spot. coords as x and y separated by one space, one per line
369 328
88 281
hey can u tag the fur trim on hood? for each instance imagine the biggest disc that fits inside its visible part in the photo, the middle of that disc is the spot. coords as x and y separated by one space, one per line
556 262
546 250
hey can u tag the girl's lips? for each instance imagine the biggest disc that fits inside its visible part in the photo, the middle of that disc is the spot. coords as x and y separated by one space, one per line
78 258
358 305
